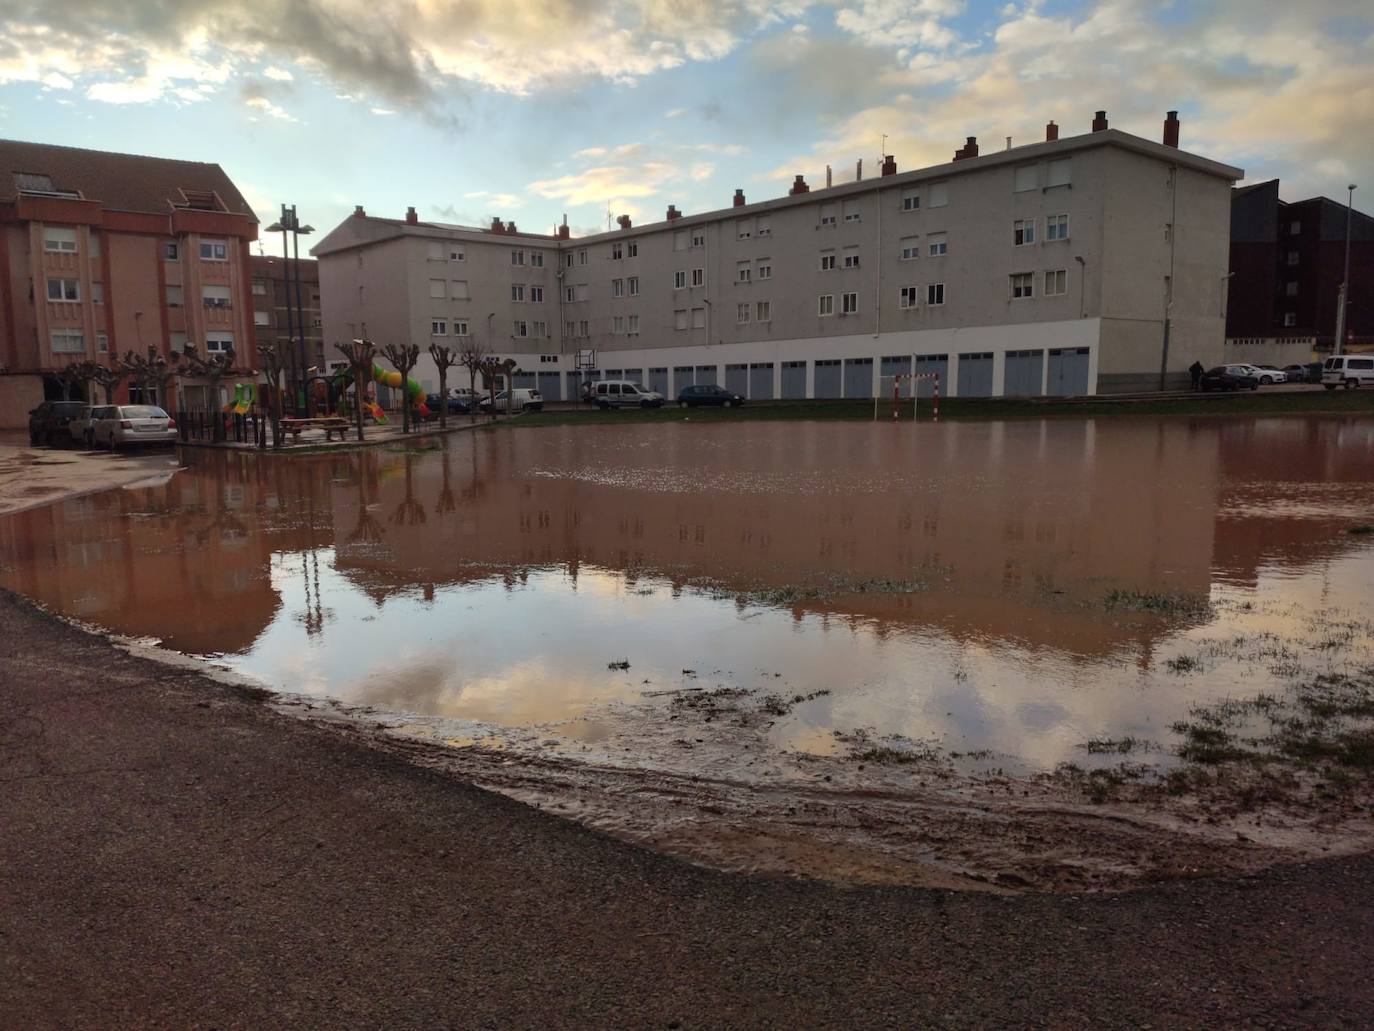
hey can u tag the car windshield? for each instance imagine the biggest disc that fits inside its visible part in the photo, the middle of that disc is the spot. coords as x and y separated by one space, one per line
68 407
638 388
142 412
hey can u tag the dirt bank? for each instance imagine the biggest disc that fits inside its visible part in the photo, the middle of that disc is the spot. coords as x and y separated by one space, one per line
175 852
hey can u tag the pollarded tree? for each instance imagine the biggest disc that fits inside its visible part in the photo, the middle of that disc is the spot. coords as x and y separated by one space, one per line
151 372
473 357
403 358
213 367
273 361
444 359
109 377
360 355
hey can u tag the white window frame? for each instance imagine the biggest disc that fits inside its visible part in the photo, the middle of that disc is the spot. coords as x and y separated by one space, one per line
62 285
911 248
460 327
536 295
536 259
1056 282
633 326
911 200
763 311
937 245
1023 232
517 293
1056 227
849 302
632 249
1021 286
457 252
853 211
632 286
851 257
517 257
742 313
209 299
744 229
680 279
744 272
827 215
935 295
825 306
762 227
698 237
698 277
829 261
520 329
67 336
218 250
617 288
219 342
617 251
59 240
438 289
438 327
909 298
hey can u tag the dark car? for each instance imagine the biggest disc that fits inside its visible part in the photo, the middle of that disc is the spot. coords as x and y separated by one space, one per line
1222 378
456 405
48 422
691 397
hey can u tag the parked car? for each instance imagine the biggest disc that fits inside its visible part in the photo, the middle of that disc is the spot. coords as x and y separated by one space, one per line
48 422
456 405
1252 371
1296 373
1349 371
1228 377
525 399
1271 374
80 426
115 426
691 397
624 393
467 395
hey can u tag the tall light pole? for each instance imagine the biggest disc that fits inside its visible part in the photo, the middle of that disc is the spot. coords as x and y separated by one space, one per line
291 230
1345 276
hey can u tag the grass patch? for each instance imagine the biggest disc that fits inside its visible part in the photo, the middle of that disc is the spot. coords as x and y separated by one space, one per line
619 664
1361 531
1177 605
1113 746
1183 664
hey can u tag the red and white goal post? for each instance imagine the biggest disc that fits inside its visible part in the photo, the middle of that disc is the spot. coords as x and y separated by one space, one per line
916 377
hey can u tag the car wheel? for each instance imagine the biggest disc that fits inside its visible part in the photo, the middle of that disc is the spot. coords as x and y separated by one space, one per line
682 404
1254 386
1329 386
1352 384
646 404
1266 380
605 406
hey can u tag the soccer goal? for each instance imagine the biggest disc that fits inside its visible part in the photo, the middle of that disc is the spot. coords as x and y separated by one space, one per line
915 377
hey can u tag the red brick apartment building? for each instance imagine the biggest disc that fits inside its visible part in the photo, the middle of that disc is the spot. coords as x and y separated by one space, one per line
104 253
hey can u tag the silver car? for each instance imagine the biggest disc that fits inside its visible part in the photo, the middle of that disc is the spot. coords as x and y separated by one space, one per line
114 426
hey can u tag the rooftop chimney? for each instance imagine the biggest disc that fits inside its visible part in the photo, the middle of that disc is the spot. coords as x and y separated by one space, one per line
358 211
1008 143
798 186
411 217
510 227
563 231
1051 132
968 150
673 212
1171 130
623 221
1100 121
828 179
739 198
859 171
889 165
497 226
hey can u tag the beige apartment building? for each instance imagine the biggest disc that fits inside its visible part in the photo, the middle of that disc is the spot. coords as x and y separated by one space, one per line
1056 267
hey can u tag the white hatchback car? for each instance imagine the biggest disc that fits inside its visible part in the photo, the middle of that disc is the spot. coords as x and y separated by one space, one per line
115 426
623 393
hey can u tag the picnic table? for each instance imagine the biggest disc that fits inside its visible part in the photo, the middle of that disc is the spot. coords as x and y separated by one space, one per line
330 424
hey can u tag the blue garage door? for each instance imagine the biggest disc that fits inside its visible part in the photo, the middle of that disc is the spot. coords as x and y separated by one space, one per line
936 363
975 374
615 374
858 377
683 376
706 376
1024 373
658 380
828 378
1068 372
634 375
892 366
794 379
737 379
761 381
526 381
551 386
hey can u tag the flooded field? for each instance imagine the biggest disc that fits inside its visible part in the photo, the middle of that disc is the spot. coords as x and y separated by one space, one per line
855 607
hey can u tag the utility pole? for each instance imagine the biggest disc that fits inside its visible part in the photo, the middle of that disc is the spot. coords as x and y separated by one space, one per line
1345 276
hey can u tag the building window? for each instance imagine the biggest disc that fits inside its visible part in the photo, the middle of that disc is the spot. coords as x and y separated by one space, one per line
911 247
911 200
214 250
582 328
617 251
517 292
568 260
852 211
460 290
763 311
698 277
1023 232
64 290
438 327
765 270
1022 285
849 304
261 318
522 328
174 296
570 293
743 272
698 318
171 252
826 305
102 343
62 240
434 250
744 229
219 343
698 237
634 325
632 249
98 293
215 297
583 291
259 289
517 257
1060 173
633 284
827 214
827 261
935 293
1292 288
536 259
1294 228
570 329
460 327
617 288
457 252
1289 319
618 324
1056 282
937 244
763 228
1292 257
680 240
680 279
582 256
68 341
909 297
680 318
438 288
1057 227
1027 178
742 312
536 295
851 257
937 195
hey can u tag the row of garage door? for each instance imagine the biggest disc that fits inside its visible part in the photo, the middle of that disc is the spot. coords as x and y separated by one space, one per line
1062 371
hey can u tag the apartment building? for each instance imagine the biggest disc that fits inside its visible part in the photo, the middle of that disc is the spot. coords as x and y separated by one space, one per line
1048 268
271 302
103 253
1287 263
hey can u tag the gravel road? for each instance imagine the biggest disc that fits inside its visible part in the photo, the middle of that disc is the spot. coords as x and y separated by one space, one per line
174 853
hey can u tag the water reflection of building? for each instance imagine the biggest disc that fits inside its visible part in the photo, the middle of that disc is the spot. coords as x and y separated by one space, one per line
1020 529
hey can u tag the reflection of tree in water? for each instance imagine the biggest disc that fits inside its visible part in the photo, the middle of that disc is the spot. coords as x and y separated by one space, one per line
368 530
410 512
446 502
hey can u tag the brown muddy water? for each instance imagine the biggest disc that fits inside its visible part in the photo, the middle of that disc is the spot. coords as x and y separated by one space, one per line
1013 594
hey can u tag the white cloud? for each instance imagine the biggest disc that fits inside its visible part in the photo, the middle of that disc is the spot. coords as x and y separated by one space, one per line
278 74
384 112
56 80
267 107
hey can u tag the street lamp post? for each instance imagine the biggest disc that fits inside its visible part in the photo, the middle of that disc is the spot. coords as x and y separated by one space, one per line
291 230
1345 276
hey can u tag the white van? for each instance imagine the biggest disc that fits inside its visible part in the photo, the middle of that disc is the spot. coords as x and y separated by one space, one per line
623 393
1348 370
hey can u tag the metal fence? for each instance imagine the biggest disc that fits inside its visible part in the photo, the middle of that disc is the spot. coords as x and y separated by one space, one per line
204 427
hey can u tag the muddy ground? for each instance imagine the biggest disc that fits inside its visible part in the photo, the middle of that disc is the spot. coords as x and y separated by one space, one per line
34 476
175 852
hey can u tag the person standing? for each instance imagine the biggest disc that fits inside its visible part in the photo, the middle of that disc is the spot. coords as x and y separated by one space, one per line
1195 370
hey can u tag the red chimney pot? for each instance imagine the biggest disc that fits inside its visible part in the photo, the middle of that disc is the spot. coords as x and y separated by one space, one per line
673 212
889 165
623 221
739 198
1171 130
1100 121
798 186
1051 132
411 217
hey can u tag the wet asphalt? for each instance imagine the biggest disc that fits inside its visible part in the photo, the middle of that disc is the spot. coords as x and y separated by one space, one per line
175 853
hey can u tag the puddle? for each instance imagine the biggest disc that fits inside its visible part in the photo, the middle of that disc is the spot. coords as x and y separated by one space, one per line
717 599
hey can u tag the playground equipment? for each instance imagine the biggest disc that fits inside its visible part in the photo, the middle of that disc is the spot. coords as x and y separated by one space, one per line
245 395
413 392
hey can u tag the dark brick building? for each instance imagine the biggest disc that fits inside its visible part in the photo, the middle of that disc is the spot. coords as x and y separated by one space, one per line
269 305
1287 263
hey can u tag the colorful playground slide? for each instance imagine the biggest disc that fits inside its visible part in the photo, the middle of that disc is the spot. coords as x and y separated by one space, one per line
413 391
245 394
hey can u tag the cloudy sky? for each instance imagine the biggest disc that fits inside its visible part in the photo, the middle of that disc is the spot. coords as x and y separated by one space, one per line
527 109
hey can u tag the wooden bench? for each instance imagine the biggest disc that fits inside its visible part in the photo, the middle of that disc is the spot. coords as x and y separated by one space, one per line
330 425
